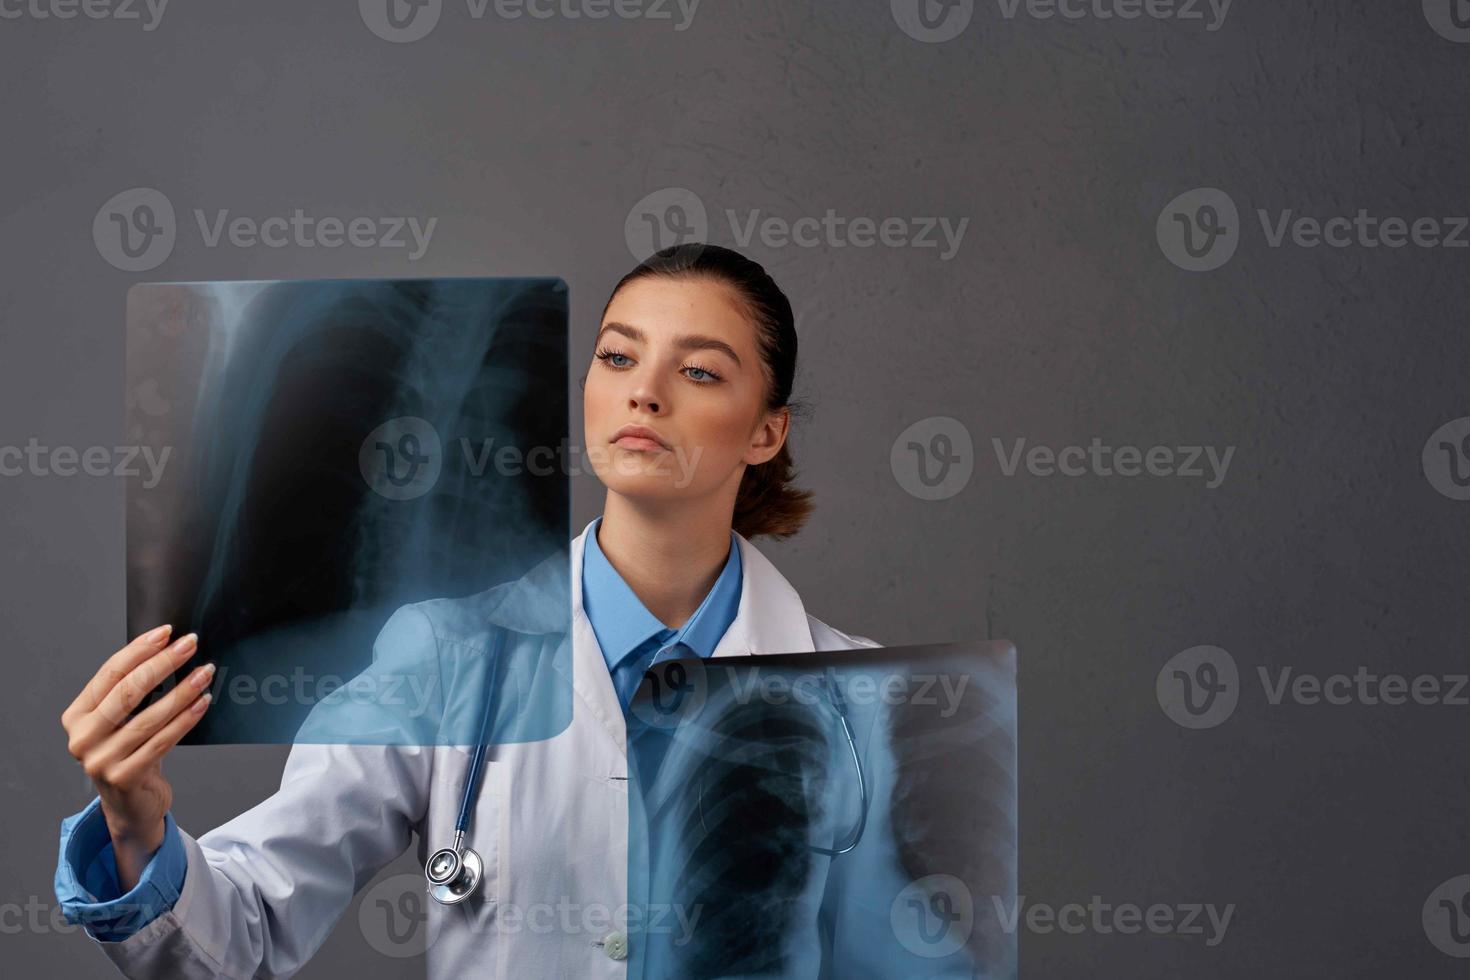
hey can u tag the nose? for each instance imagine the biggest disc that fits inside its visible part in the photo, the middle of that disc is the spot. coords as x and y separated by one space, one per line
646 395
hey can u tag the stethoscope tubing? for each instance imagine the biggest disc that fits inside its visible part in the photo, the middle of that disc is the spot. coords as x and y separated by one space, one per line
477 761
456 872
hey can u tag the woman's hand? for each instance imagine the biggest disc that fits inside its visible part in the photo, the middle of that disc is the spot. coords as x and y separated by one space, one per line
124 756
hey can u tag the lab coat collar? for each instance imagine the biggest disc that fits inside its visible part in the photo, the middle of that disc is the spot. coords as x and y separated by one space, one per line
533 604
770 619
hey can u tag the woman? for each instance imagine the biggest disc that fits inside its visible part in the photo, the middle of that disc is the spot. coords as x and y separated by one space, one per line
687 415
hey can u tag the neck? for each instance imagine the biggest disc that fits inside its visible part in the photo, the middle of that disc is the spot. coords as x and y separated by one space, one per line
670 555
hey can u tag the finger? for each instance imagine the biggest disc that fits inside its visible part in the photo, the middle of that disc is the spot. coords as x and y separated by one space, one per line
128 693
147 722
117 666
164 739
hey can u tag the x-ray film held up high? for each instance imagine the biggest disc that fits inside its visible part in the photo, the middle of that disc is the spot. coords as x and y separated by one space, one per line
357 483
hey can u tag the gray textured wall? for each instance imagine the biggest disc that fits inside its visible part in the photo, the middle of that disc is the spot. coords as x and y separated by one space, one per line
1069 310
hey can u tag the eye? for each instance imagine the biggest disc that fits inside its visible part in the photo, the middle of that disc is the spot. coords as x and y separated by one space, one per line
607 355
710 377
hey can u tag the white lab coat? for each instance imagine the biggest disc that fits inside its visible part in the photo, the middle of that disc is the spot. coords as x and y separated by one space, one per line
265 889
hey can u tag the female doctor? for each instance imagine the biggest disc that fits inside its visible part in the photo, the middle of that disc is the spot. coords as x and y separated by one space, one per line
694 358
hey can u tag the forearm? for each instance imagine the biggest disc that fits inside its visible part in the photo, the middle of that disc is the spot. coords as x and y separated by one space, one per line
132 851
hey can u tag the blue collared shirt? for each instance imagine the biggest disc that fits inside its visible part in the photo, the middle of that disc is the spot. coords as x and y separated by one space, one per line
631 637
632 640
86 877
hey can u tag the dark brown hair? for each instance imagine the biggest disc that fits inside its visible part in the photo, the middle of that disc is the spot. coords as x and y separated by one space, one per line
766 502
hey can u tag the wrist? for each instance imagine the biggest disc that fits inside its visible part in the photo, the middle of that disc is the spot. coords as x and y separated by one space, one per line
134 838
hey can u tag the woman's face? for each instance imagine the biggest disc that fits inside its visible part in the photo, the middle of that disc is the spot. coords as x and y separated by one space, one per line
678 357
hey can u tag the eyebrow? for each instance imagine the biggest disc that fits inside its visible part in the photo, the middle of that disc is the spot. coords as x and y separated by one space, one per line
687 341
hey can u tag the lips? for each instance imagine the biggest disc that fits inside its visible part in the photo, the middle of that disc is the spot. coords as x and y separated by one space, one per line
639 437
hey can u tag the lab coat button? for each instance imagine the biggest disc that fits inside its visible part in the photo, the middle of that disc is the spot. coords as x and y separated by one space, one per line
615 945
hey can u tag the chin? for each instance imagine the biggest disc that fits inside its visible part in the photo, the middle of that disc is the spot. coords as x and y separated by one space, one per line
647 486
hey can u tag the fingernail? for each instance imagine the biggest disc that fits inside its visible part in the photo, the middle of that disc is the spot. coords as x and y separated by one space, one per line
188 643
203 702
201 678
160 632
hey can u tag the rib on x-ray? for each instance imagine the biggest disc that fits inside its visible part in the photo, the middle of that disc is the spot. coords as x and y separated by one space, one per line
332 451
956 837
839 814
757 777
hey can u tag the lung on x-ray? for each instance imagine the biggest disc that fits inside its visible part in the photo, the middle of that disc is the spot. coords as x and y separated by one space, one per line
352 475
843 814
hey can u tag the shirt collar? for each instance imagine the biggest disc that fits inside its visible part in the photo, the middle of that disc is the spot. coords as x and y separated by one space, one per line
623 623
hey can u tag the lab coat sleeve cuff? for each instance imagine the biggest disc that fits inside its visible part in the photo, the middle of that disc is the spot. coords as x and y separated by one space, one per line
86 877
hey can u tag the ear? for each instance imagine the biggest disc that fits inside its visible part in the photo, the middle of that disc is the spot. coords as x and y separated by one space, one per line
769 436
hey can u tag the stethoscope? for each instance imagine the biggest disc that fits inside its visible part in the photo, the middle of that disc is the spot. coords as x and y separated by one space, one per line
455 872
834 691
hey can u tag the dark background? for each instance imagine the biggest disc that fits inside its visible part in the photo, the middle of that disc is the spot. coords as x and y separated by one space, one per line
535 143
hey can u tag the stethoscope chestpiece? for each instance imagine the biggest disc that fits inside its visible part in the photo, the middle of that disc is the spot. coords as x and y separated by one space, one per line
453 874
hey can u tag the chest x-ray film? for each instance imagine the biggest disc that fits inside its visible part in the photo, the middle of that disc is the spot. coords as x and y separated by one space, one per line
362 505
847 814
